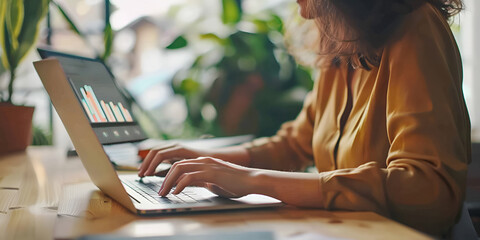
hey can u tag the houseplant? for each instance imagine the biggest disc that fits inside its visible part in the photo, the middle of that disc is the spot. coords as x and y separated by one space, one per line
253 87
19 22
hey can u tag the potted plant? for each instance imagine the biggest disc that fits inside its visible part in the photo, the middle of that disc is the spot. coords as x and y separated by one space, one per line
19 22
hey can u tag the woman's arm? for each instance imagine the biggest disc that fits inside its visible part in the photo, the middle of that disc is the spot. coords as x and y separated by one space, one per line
231 180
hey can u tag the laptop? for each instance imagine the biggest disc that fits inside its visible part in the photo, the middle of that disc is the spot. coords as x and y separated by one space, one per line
95 113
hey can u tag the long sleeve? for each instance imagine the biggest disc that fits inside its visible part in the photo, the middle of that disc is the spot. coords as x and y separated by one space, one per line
421 182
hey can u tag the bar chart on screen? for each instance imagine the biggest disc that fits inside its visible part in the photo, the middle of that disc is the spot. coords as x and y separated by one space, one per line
103 111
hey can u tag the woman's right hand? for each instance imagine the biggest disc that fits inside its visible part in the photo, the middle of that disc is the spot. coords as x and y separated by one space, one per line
170 154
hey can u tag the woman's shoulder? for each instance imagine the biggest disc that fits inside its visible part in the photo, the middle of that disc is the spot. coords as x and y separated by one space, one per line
426 25
424 32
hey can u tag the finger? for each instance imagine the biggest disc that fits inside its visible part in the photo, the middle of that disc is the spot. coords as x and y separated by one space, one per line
166 154
166 146
146 162
176 171
203 161
162 173
172 155
189 179
196 184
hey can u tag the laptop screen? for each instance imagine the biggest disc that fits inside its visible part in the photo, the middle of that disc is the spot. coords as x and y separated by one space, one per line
107 109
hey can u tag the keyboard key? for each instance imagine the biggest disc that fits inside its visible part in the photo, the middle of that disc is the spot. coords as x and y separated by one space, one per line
149 189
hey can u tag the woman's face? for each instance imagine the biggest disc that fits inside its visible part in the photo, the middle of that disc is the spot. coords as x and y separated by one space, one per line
304 12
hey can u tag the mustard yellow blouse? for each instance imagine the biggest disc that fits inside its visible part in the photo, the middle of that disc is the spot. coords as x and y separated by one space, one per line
405 146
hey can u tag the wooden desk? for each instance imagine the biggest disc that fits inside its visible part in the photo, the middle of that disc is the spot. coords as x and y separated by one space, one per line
35 184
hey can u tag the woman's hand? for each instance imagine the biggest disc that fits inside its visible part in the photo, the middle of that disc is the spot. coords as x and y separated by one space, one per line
170 153
175 152
230 180
220 177
224 173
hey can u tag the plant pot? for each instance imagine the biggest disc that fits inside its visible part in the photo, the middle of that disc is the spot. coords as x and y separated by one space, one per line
15 128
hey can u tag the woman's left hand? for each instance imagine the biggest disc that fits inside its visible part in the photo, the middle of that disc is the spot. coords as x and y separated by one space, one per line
220 177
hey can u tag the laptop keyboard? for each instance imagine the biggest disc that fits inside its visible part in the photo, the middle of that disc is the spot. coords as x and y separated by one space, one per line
149 190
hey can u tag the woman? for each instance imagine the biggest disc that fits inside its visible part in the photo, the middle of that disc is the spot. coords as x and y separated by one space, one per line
386 123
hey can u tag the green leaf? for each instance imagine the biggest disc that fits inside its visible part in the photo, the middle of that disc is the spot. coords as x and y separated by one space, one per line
108 41
213 37
41 137
73 26
276 23
3 35
8 49
232 11
13 20
107 33
3 11
69 20
304 76
189 86
262 26
2 67
34 10
179 42
272 23
17 41
20 29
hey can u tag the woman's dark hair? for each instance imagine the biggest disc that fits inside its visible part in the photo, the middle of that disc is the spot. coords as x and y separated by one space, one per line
355 31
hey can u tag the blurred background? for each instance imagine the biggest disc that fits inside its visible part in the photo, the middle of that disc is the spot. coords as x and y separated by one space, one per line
197 68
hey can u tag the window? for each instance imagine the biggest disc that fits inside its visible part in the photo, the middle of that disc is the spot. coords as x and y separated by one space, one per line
469 42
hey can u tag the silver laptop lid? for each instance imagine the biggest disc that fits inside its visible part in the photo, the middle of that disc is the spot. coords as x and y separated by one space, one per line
86 142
